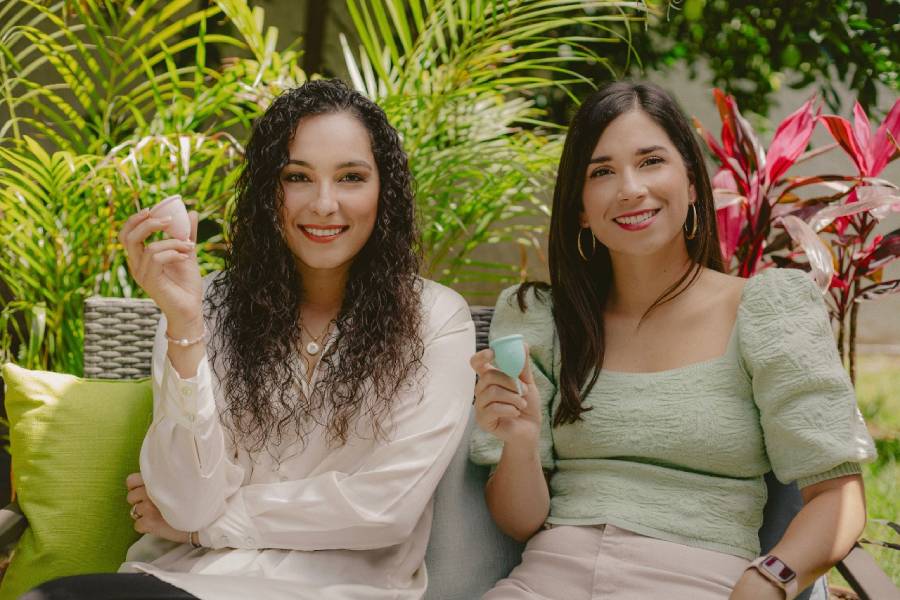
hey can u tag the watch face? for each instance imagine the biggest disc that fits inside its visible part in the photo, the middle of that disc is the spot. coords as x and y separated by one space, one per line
778 569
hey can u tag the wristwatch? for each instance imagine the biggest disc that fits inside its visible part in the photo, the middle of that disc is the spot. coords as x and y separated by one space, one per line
773 568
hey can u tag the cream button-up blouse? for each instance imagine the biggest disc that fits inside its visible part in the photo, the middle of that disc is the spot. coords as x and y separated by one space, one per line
320 521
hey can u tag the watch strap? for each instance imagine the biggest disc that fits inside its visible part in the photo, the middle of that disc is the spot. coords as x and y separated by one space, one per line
789 586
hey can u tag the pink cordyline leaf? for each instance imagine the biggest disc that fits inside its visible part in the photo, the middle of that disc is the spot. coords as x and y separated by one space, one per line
749 141
731 136
841 223
874 204
730 218
885 251
863 132
883 198
730 221
882 147
718 150
821 266
738 138
724 180
843 134
790 140
878 181
726 198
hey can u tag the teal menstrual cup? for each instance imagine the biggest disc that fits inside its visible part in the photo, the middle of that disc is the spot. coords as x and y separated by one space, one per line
509 356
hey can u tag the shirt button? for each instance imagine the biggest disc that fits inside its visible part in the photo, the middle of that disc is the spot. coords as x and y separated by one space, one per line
282 478
224 540
186 392
249 541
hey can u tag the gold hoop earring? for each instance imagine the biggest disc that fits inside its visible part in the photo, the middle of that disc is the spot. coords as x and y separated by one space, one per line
693 232
593 244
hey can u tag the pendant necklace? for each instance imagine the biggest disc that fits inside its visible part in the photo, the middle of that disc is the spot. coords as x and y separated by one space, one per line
314 346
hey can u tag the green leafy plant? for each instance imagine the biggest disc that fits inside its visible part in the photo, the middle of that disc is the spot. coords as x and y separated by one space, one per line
119 129
754 50
760 211
135 111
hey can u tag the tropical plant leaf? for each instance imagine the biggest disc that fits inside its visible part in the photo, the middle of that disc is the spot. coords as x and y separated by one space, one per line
817 253
873 204
886 251
875 291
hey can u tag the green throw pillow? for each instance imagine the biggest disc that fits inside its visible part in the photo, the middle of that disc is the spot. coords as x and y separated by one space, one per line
73 442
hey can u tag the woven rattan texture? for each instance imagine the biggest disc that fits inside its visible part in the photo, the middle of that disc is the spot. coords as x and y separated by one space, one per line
481 315
118 337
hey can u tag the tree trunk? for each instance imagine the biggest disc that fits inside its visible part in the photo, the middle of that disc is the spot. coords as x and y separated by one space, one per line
314 37
842 352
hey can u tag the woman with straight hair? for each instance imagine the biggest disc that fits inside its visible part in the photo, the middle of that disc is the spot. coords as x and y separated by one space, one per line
660 390
309 397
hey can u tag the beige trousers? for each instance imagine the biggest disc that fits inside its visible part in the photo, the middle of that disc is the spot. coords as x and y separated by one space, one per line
593 563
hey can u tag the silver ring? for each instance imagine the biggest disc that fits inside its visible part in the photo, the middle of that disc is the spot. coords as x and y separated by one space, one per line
134 513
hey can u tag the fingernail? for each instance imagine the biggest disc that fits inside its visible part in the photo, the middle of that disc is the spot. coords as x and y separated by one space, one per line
166 219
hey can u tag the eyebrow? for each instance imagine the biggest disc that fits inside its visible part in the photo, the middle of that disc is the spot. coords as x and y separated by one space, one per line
640 152
343 165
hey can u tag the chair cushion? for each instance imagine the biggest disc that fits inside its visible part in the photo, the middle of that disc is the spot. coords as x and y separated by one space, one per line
466 553
73 441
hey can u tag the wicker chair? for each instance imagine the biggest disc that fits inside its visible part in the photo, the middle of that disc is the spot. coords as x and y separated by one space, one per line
466 552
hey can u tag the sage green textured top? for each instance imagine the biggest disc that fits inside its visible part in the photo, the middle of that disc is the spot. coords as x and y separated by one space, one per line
680 454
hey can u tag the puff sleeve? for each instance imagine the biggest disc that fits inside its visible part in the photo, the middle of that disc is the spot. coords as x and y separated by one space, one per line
812 427
536 325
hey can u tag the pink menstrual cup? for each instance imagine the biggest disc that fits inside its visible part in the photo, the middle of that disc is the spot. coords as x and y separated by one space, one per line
180 226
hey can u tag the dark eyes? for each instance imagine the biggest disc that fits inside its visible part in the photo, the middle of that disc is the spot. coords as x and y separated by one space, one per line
296 177
301 177
649 161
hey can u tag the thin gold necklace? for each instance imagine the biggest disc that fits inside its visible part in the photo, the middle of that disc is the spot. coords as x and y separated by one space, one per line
313 347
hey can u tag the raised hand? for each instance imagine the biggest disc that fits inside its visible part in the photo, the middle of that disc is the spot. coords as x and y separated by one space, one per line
167 270
499 409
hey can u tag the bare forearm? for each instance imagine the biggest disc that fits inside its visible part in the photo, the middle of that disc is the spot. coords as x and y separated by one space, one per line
517 493
824 531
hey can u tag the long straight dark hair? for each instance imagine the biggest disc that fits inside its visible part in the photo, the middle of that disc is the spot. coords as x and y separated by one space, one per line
581 288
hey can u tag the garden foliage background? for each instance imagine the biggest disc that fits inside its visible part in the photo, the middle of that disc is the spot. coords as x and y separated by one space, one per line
106 107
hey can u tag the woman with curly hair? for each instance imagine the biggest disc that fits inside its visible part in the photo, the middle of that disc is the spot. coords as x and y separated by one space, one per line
308 398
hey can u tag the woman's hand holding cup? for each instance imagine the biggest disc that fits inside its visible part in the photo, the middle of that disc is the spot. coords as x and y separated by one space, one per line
167 269
507 404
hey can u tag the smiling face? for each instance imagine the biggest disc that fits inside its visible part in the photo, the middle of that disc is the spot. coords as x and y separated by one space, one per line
636 191
331 189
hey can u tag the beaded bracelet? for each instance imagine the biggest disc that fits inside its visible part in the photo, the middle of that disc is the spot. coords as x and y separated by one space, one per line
185 342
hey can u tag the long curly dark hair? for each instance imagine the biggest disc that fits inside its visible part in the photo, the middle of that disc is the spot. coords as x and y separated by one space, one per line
257 299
